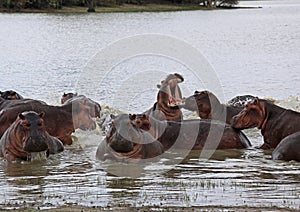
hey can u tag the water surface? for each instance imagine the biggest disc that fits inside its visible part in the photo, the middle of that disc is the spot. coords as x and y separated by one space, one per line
253 51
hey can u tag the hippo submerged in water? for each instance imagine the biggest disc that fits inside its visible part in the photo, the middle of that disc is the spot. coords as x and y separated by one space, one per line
27 136
288 149
126 141
193 134
275 122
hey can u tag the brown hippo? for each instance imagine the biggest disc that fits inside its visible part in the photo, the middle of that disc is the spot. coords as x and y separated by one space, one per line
288 149
193 134
27 135
274 122
10 95
168 98
126 141
208 106
60 121
95 107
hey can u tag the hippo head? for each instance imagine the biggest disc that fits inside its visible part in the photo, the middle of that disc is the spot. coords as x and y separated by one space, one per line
10 95
253 115
94 107
31 131
123 134
67 96
142 121
203 102
81 115
172 94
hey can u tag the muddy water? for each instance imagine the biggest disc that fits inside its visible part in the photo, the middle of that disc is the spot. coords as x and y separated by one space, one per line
229 179
251 51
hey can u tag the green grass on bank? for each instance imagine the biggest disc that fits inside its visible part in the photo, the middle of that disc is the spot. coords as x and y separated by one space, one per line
121 8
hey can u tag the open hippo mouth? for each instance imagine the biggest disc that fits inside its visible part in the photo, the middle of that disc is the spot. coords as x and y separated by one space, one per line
175 102
175 99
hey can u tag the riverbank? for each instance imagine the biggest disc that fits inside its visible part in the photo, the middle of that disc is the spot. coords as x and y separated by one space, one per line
123 8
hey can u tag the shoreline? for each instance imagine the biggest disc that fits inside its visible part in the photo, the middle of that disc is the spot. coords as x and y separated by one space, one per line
126 8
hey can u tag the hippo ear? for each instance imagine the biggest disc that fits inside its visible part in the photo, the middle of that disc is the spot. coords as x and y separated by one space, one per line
64 94
13 93
132 116
158 86
42 114
180 77
84 102
255 101
144 116
196 92
21 116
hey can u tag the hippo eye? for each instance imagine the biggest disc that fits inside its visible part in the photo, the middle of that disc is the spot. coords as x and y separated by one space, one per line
40 124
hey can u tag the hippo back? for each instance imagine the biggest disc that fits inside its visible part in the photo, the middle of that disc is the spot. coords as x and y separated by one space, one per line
288 148
240 101
198 134
10 95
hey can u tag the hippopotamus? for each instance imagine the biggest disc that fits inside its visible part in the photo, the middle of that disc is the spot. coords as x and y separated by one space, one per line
60 121
27 135
95 107
288 149
168 98
208 106
194 134
126 141
10 95
274 122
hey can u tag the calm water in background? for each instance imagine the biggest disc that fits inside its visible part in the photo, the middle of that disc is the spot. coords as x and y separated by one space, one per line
254 51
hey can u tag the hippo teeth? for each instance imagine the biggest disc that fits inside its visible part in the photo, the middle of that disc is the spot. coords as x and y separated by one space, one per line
37 156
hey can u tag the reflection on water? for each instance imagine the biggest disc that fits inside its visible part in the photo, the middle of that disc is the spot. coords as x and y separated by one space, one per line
258 49
231 178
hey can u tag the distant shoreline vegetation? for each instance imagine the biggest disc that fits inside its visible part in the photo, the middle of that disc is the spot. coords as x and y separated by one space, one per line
82 6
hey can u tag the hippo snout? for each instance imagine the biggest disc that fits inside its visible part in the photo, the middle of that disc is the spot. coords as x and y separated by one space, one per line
35 144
